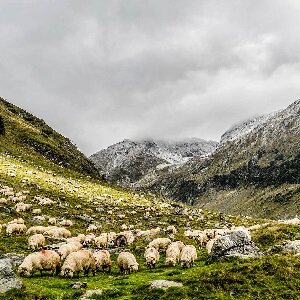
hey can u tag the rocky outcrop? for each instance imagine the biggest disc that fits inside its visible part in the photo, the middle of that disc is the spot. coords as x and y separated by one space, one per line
164 284
8 279
236 243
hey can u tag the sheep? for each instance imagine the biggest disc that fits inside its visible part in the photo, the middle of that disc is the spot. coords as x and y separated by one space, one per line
202 238
128 235
22 207
66 223
52 221
15 228
209 245
37 229
79 238
89 239
3 201
45 260
102 259
17 221
82 260
173 253
160 243
36 241
58 232
148 233
101 241
127 263
36 211
152 257
66 249
188 256
92 228
171 229
45 202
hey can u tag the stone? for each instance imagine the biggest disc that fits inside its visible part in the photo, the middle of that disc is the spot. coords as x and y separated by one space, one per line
78 285
164 284
8 279
235 243
90 293
16 259
292 247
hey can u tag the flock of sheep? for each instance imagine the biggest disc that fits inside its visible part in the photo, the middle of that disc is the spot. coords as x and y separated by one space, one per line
88 252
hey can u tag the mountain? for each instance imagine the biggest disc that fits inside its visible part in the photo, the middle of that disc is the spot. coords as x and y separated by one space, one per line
31 139
128 162
254 171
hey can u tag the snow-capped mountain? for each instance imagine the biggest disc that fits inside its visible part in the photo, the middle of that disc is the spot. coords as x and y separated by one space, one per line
255 169
128 161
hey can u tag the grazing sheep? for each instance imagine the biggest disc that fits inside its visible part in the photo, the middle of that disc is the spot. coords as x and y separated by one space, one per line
160 243
171 229
66 249
173 254
89 239
202 238
127 263
120 241
58 232
3 201
102 259
128 235
82 260
36 241
79 238
17 221
22 207
101 241
37 229
148 233
36 211
209 245
92 228
45 260
152 257
15 228
66 223
52 221
188 256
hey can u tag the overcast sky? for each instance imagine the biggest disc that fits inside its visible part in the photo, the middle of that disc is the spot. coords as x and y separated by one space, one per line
102 71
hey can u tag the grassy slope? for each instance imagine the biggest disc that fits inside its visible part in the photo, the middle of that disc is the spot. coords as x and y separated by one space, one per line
270 277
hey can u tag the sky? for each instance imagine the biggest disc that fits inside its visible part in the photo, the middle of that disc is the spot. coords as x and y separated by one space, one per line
103 71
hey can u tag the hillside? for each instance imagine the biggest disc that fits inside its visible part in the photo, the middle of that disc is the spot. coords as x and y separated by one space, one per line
254 171
128 162
29 138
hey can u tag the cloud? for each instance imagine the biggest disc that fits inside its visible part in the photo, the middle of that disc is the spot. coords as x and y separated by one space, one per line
102 71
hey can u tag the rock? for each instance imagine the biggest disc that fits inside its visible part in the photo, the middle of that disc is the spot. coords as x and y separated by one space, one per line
288 246
78 285
89 293
16 259
8 279
235 243
164 284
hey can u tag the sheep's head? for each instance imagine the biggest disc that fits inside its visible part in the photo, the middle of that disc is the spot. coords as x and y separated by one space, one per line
134 268
24 272
67 272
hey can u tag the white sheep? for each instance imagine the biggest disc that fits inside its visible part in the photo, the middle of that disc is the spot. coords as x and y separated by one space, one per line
66 223
209 245
36 241
66 249
82 260
188 256
92 228
3 201
37 229
102 259
89 239
52 221
58 232
22 207
128 235
160 243
127 263
17 221
171 229
101 241
79 238
15 228
173 254
36 211
151 256
45 260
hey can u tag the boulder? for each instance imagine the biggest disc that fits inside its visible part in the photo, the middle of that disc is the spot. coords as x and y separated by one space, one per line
8 279
16 259
292 247
235 243
164 284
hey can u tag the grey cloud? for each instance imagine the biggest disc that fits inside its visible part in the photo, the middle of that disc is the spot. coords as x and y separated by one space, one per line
102 71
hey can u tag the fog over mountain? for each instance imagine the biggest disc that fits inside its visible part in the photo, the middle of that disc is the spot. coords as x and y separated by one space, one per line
103 71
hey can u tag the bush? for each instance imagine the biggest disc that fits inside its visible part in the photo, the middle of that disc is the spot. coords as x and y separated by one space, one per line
2 128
